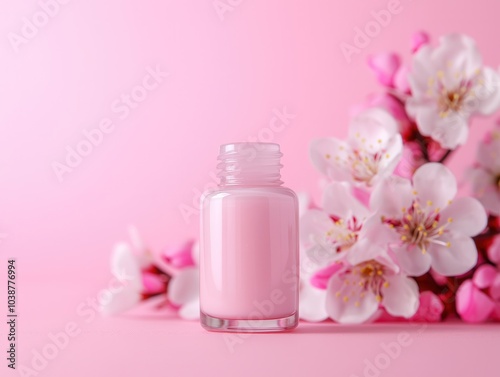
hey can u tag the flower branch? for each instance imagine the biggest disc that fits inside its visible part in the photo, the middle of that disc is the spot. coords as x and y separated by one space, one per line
390 238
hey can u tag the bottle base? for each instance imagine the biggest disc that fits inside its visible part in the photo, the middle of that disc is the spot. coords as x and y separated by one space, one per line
249 325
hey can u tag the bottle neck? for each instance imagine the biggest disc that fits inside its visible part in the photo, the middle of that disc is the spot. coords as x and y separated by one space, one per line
249 164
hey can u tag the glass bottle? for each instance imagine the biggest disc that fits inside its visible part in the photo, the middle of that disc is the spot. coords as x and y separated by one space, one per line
249 249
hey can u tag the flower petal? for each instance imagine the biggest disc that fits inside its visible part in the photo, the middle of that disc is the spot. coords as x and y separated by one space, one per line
125 266
181 255
430 308
304 202
312 303
345 309
451 131
377 232
425 113
401 79
484 276
435 184
391 195
412 261
488 156
338 201
385 66
411 160
326 156
491 202
496 312
393 153
480 177
459 51
372 129
421 69
494 251
362 195
322 255
120 300
472 304
152 283
321 277
495 288
184 287
385 259
418 40
458 258
314 223
488 93
386 101
190 310
313 227
400 296
467 216
364 250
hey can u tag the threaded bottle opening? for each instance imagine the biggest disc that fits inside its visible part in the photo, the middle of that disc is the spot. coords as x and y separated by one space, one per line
249 164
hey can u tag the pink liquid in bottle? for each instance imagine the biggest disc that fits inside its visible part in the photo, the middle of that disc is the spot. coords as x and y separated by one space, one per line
249 244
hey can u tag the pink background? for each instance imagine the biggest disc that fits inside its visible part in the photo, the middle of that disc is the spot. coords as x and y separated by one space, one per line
226 77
